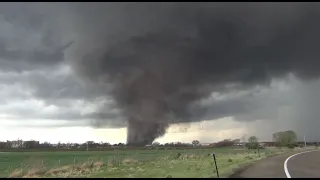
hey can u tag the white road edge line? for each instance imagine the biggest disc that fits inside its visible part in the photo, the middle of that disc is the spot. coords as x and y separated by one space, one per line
286 162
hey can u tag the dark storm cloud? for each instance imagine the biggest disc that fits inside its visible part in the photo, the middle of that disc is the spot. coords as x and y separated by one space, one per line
250 106
27 38
19 60
54 86
158 60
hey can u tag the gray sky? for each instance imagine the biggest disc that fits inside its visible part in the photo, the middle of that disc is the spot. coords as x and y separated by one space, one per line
39 87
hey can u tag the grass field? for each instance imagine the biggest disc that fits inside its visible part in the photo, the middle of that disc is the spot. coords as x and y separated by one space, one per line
127 163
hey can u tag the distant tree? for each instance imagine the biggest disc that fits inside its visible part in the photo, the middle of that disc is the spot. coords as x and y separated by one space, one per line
92 144
285 138
121 145
106 144
195 142
253 142
253 139
9 144
19 143
47 143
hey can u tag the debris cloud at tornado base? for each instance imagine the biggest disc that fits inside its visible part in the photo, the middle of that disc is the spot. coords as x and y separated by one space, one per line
157 59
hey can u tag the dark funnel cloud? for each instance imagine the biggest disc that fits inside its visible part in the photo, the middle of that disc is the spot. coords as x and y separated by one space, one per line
158 59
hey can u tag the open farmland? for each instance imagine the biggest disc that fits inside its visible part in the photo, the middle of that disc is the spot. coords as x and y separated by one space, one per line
127 163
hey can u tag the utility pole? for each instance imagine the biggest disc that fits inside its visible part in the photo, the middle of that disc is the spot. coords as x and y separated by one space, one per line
305 142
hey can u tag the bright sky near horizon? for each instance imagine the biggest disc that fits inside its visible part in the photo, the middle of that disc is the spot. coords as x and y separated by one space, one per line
81 134
206 132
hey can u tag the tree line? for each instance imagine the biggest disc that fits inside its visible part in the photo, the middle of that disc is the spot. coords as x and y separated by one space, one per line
280 139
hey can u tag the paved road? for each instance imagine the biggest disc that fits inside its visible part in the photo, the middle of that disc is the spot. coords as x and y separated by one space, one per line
306 165
271 167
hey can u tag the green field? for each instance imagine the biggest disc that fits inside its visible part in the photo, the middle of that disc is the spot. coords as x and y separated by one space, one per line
127 163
